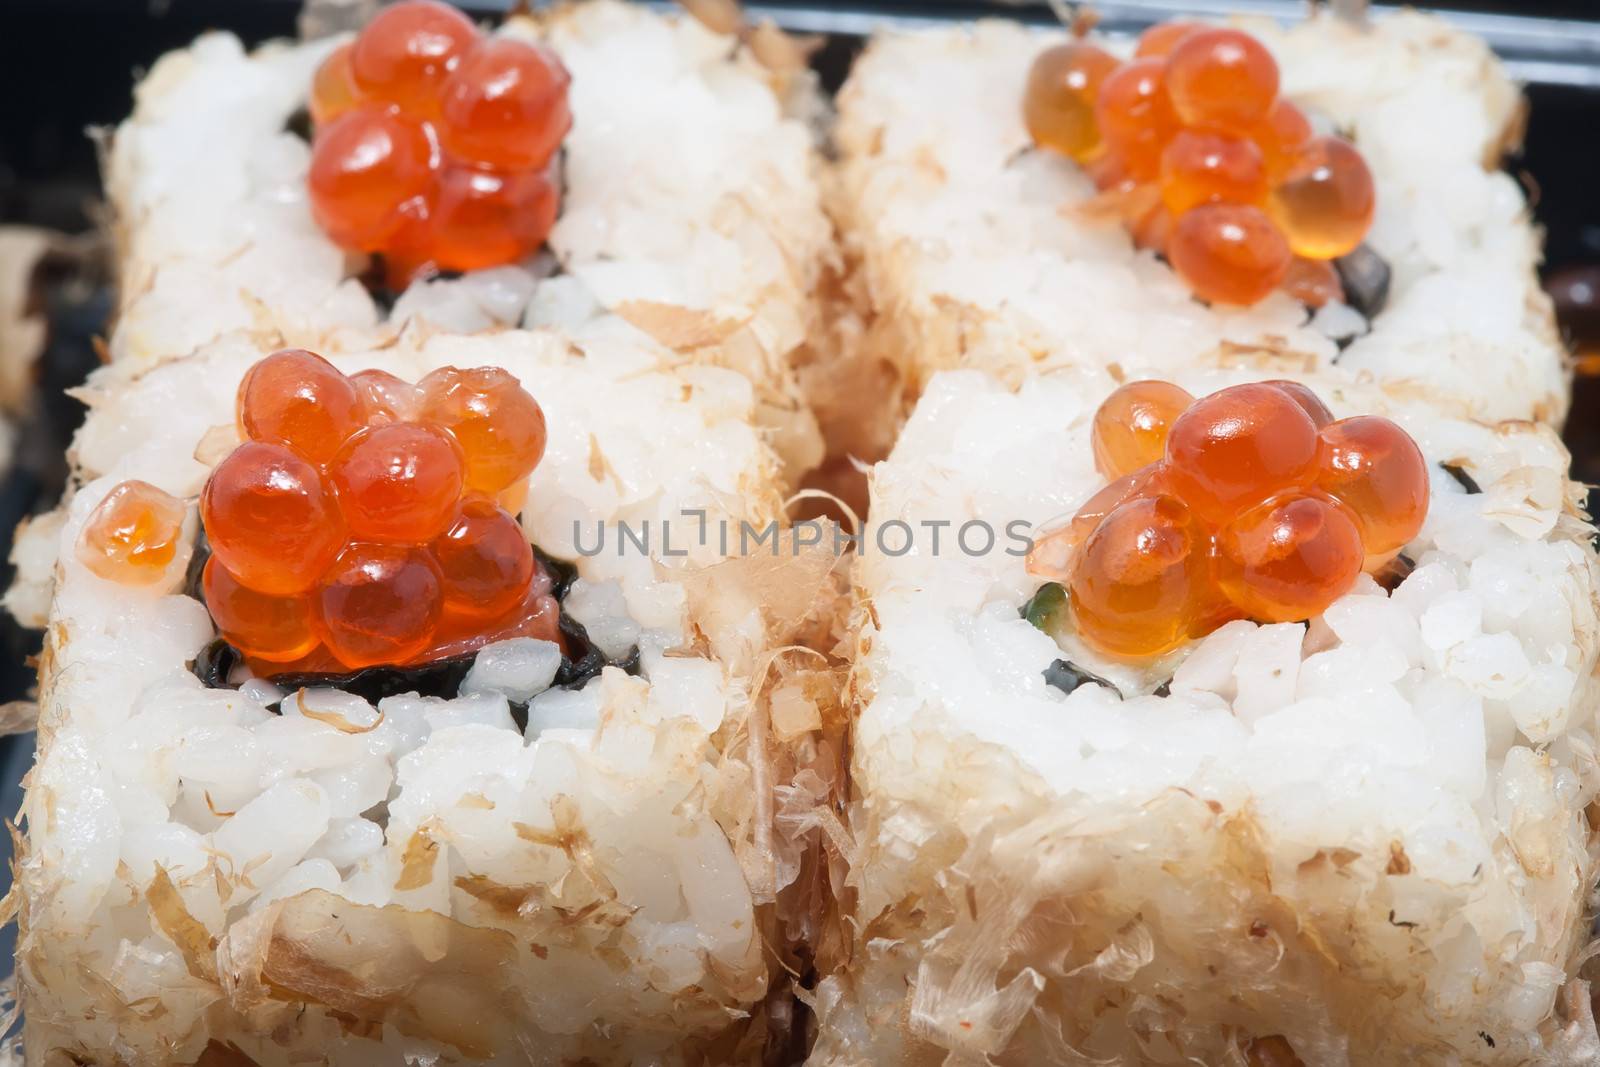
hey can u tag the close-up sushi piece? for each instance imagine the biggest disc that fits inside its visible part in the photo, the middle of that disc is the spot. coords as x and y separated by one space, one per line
1227 722
1017 199
357 744
594 157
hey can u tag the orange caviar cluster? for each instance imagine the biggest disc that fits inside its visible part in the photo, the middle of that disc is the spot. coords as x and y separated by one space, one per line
435 144
364 520
1252 502
1194 149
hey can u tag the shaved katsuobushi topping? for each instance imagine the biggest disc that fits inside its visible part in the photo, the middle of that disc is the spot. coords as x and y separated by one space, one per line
1191 144
435 144
363 520
1250 503
133 535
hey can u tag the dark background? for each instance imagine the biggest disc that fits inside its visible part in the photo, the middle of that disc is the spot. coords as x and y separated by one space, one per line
72 64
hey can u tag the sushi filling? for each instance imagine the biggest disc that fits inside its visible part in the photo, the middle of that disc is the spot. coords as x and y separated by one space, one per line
362 523
1195 151
1251 503
436 146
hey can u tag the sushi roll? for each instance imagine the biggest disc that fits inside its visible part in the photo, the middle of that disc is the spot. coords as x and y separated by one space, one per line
683 198
333 765
1172 776
1004 203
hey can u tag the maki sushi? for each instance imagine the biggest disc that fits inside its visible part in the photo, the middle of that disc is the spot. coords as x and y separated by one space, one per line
398 702
1015 200
363 737
598 157
1231 721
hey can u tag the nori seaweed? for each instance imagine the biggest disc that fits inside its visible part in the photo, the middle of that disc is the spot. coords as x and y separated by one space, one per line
1041 611
1365 277
1043 607
1067 676
1465 480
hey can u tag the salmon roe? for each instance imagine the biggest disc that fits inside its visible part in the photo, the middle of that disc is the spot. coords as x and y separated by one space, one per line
333 88
494 418
486 561
357 524
1200 167
1058 107
1326 201
1259 505
1162 38
1137 576
1243 199
299 400
1229 253
132 536
435 145
272 628
1135 116
1130 429
1313 282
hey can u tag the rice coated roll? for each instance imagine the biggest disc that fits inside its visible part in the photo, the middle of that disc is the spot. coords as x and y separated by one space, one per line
1362 838
560 849
685 196
973 240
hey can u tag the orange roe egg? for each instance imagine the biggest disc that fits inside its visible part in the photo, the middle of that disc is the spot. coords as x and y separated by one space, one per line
482 219
298 399
1313 282
407 50
1326 201
1198 167
369 169
380 604
1374 467
1050 556
486 562
1289 557
1231 449
1221 78
1058 105
333 89
1135 117
1281 136
1161 39
514 497
1130 427
385 398
270 519
399 482
132 535
1138 576
500 427
505 105
1153 228
1229 253
1308 400
408 253
1107 171
273 628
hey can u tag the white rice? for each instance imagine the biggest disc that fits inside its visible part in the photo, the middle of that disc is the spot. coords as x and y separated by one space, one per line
198 871
1369 837
691 210
965 251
